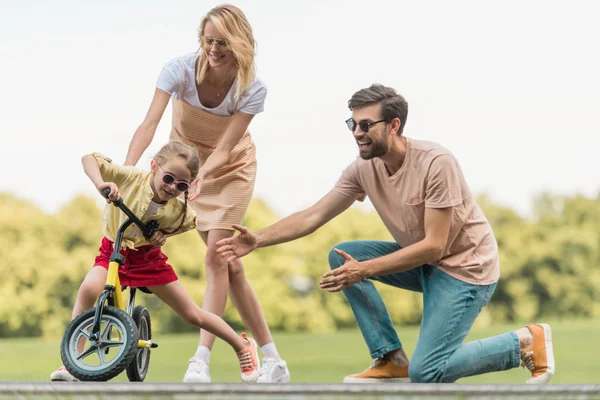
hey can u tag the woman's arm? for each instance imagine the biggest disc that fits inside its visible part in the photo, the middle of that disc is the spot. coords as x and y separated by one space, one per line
145 132
220 155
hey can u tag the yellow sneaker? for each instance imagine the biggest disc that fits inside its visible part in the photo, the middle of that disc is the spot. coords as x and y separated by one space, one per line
249 361
381 370
540 359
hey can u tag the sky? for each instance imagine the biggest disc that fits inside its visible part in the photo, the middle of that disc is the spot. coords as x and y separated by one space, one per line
512 88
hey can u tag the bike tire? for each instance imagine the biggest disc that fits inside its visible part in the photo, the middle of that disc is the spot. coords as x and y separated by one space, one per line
127 336
138 368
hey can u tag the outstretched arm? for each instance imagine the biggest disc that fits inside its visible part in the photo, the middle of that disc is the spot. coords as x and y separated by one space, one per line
290 228
145 132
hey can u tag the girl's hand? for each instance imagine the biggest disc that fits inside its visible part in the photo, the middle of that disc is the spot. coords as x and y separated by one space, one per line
158 239
114 191
196 187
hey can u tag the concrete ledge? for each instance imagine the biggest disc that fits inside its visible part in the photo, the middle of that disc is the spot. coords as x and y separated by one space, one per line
297 390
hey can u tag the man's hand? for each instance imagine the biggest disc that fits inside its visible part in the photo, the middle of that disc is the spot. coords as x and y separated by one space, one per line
157 239
114 191
237 246
348 274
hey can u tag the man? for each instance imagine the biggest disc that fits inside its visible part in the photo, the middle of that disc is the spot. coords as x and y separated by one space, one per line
444 247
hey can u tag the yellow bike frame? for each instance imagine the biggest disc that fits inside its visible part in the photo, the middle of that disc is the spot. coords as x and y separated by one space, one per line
113 280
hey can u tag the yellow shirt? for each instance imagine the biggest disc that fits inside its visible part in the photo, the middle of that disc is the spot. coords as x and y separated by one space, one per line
136 192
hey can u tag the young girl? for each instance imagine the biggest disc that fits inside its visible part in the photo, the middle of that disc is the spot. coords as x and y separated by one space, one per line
153 196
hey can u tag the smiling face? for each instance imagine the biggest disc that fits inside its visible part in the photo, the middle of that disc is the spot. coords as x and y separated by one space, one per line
216 47
375 142
178 169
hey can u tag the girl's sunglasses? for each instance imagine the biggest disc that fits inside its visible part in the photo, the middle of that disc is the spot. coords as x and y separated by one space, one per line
169 179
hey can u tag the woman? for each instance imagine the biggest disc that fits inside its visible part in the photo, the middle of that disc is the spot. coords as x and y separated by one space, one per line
215 95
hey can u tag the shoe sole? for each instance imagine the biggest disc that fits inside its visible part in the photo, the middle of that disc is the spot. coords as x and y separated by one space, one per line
62 377
546 376
349 379
281 379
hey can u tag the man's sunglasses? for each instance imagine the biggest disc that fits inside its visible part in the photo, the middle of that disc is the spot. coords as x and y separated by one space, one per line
363 125
169 179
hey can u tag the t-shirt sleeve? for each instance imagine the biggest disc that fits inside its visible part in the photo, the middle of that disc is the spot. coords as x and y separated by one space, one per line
254 100
442 188
110 171
170 79
349 183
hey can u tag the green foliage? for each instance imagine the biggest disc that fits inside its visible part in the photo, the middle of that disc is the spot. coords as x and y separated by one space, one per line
548 267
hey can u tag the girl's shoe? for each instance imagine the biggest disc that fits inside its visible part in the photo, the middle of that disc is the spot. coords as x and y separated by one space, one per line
63 375
249 361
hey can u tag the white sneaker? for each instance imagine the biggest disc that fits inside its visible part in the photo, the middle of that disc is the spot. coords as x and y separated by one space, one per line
197 371
62 374
274 371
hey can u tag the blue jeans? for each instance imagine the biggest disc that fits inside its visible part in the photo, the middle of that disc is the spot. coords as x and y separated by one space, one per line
450 307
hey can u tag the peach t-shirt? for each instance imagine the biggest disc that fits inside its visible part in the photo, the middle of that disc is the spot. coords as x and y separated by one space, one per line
430 177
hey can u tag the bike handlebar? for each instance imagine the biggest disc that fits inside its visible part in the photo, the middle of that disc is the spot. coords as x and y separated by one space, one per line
148 229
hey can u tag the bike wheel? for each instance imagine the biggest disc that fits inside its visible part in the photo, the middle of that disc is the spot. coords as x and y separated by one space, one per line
105 358
138 368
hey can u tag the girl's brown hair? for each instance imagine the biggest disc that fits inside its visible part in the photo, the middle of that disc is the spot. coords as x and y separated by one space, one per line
190 155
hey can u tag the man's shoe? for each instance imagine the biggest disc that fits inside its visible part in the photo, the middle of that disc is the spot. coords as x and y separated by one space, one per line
540 359
197 372
62 375
274 371
381 370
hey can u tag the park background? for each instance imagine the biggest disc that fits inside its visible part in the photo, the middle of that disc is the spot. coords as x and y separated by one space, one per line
511 88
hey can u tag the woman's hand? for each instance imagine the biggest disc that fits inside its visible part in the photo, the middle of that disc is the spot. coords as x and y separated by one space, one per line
114 191
196 187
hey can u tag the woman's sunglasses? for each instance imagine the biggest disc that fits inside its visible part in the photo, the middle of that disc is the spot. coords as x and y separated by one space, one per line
169 179
363 125
222 44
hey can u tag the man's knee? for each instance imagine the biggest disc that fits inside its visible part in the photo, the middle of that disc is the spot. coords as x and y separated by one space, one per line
421 373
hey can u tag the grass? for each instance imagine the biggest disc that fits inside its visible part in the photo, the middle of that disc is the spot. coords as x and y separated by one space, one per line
312 358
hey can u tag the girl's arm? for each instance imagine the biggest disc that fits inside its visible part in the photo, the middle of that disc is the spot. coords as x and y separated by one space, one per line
92 170
145 132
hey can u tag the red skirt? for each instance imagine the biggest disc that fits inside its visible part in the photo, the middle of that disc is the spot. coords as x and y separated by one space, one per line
144 266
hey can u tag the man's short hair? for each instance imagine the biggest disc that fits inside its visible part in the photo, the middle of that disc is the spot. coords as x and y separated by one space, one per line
393 105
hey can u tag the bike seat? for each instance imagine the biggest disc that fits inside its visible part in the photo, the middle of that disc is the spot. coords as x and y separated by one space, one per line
142 288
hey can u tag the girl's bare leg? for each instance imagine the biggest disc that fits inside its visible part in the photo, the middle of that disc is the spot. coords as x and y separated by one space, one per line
176 297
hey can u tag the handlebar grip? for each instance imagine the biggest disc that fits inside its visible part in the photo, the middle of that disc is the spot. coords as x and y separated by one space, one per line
116 203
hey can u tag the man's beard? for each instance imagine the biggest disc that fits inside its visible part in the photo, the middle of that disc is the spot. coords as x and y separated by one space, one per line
378 149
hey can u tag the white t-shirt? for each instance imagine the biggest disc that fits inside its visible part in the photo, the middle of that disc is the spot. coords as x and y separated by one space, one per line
171 80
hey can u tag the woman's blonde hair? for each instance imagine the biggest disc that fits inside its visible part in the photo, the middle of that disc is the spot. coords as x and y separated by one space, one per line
190 155
231 22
